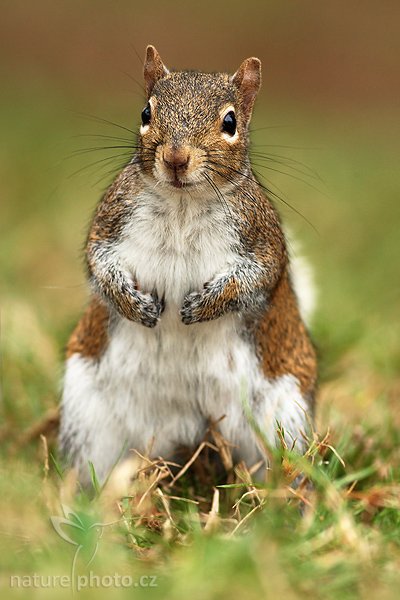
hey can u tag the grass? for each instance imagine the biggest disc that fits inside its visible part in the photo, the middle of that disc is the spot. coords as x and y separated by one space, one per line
342 537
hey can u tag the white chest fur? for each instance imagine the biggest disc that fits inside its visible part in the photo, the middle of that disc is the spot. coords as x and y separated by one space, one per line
176 246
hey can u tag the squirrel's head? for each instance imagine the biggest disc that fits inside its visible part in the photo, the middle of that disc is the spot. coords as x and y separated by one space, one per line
194 132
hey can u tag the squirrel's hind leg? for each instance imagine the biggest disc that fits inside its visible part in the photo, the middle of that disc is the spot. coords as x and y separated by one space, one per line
88 432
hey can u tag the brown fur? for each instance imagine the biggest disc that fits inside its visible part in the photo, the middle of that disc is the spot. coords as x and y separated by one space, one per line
114 209
90 336
282 341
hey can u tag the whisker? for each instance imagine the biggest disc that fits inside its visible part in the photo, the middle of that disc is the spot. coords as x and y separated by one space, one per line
111 172
218 194
96 119
232 181
142 92
271 158
285 146
284 161
266 189
268 127
99 149
310 185
236 185
102 136
106 160
140 59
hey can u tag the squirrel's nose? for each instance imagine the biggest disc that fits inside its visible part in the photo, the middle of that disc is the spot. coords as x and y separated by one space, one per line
176 158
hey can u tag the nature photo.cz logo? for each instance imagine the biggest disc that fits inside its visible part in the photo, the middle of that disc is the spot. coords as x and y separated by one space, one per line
84 535
81 531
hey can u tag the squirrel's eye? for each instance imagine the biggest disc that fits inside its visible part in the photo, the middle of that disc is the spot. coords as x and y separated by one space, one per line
229 123
146 115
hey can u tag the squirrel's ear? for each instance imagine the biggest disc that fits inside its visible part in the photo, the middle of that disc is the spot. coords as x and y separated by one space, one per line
248 81
154 69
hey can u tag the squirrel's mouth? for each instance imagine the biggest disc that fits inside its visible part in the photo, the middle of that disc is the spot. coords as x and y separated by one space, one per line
177 183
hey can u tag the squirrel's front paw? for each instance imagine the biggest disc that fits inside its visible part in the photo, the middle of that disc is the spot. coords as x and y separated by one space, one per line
150 309
191 308
143 308
200 306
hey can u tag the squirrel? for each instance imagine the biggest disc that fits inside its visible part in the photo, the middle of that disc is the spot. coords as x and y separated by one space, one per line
192 311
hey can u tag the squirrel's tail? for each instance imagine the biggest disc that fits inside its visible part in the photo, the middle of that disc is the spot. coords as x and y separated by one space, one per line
303 281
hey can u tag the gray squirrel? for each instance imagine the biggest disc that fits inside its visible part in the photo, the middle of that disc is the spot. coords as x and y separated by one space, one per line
192 307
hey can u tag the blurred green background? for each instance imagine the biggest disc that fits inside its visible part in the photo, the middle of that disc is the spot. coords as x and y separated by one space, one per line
328 115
